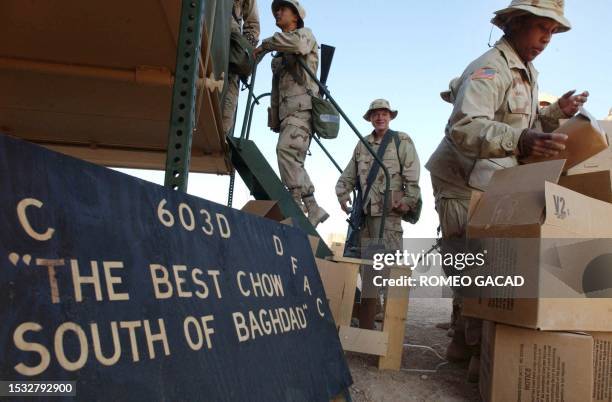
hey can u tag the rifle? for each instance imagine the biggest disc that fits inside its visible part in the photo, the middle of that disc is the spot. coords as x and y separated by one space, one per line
352 246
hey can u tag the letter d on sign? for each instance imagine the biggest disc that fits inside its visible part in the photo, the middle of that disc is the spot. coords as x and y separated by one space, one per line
278 245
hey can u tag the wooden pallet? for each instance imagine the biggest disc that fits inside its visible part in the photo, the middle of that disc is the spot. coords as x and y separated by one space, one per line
339 276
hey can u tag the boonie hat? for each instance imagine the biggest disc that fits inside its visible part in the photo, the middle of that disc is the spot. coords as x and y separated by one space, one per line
552 9
380 104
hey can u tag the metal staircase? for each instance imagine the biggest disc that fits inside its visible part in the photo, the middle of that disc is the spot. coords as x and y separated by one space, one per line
264 184
259 176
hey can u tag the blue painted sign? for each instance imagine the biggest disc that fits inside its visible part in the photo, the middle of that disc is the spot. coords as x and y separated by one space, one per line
137 292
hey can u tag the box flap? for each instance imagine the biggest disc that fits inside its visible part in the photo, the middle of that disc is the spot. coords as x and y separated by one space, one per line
515 196
585 265
596 185
606 125
596 163
585 139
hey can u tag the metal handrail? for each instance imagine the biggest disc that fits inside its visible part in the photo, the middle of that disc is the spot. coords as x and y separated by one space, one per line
255 102
252 100
328 154
248 105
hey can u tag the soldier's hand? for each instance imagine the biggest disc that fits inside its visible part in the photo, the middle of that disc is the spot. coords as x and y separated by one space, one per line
258 52
346 206
537 143
570 103
399 206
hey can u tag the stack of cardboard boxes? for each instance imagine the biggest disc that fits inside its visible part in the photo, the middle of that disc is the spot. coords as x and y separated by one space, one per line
554 341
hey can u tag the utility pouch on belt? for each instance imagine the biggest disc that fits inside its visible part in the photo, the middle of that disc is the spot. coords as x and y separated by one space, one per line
325 118
414 214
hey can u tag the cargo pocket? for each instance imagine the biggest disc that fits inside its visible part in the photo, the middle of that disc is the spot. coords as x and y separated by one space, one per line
519 109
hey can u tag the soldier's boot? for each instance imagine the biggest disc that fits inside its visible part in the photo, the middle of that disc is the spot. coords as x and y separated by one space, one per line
473 374
316 214
457 350
296 194
454 316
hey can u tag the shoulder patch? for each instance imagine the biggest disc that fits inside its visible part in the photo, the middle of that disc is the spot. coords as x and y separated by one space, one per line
484 73
405 137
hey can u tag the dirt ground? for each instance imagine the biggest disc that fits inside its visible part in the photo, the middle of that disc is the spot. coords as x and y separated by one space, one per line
423 377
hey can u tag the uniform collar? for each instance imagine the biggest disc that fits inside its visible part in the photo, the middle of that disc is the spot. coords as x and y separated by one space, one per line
371 139
514 60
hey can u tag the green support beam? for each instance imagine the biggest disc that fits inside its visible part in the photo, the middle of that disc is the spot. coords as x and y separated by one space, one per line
182 117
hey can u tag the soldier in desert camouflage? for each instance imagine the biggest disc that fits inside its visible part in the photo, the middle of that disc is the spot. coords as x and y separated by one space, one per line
404 170
496 121
245 20
290 112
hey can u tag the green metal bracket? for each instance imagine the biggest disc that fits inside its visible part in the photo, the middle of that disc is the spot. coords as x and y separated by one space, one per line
182 116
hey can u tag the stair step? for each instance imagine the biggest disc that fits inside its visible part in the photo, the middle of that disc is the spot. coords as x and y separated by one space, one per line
264 184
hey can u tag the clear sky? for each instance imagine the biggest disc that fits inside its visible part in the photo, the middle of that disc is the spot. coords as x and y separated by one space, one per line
407 52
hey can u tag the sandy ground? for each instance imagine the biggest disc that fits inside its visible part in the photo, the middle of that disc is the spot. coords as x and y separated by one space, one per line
420 378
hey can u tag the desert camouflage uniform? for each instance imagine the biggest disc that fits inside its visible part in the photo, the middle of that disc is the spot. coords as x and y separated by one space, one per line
407 181
495 99
245 19
291 105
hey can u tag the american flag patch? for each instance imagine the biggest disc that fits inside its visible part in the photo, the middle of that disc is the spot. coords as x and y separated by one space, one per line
484 73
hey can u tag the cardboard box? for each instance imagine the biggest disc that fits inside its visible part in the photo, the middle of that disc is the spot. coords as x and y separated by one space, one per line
556 235
585 139
266 208
519 364
287 221
595 184
602 366
606 125
314 243
339 282
600 161
596 163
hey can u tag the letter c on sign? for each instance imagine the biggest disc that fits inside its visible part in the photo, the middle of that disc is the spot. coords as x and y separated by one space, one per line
319 304
23 219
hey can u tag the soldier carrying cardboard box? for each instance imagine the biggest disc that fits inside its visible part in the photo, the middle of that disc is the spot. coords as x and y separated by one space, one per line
495 122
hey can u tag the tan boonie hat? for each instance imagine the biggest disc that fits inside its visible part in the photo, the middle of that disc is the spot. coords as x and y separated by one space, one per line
295 4
552 9
380 104
448 95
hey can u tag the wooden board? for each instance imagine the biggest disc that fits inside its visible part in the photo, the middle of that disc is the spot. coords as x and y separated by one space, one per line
394 323
364 340
359 261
